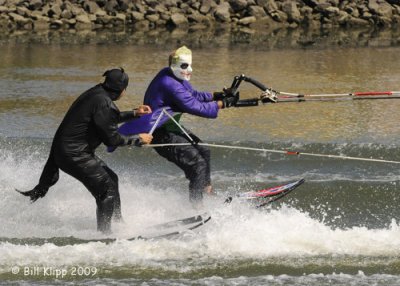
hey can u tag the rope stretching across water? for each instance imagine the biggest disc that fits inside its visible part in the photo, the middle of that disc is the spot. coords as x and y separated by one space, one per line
256 149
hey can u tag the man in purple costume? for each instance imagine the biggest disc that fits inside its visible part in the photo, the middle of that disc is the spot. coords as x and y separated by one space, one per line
171 90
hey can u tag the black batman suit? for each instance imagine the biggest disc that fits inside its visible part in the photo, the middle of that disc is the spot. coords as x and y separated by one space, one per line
91 120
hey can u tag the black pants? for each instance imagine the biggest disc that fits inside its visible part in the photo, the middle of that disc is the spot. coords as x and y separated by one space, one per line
193 159
97 177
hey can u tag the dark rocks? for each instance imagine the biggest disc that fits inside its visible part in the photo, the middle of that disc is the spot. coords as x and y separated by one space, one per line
83 18
257 11
247 20
222 13
91 7
111 6
35 4
291 9
238 5
269 6
178 20
196 14
124 5
380 8
356 22
154 18
206 6
18 18
54 11
136 16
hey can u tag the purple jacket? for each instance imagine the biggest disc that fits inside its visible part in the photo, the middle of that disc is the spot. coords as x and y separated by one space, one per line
167 92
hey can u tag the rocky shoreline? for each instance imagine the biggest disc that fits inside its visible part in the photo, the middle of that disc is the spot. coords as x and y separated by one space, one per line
191 15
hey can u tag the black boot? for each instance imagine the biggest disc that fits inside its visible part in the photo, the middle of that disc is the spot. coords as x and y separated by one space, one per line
105 209
117 215
196 198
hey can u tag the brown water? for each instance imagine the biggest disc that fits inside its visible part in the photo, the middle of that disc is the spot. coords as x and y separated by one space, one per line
340 228
39 82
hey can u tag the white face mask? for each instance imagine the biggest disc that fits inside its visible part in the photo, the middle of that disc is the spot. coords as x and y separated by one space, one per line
183 68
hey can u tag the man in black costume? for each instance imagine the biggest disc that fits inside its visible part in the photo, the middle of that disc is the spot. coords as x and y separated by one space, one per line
91 120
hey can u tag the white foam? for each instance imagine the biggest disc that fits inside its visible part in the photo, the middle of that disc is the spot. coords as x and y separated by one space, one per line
235 231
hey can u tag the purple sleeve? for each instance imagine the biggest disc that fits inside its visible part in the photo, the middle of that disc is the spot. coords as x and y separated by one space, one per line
187 102
202 96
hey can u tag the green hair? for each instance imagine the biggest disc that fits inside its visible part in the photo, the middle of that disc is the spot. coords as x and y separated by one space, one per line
174 57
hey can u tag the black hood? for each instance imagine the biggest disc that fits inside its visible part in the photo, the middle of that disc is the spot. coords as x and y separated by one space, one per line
115 82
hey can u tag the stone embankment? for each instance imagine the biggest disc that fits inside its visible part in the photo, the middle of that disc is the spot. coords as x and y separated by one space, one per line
195 15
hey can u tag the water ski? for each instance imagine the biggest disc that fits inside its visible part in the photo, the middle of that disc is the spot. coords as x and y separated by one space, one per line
175 227
272 194
164 230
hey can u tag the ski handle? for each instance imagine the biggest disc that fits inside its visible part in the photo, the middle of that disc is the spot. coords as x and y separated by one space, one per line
237 80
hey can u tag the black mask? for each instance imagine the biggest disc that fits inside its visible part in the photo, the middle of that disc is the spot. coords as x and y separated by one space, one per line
116 80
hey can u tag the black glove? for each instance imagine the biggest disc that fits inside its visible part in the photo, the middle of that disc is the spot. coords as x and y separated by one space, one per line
230 101
229 92
219 95
132 140
36 193
226 92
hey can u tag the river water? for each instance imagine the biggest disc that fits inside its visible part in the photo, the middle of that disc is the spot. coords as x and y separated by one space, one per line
340 228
